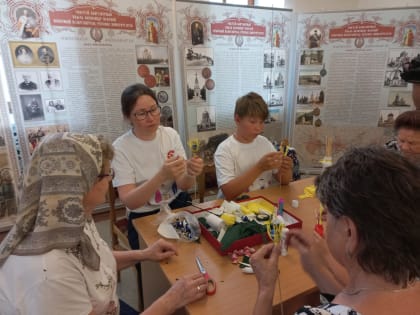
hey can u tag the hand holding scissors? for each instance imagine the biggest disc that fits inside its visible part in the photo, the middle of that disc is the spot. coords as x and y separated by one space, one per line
211 285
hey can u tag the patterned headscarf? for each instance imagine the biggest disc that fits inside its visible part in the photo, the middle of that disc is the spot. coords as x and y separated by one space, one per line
62 170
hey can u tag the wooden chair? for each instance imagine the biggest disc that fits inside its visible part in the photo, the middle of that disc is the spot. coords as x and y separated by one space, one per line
119 237
207 182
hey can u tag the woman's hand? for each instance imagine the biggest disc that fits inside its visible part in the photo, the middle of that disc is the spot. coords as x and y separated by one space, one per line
160 250
186 290
195 166
264 262
173 168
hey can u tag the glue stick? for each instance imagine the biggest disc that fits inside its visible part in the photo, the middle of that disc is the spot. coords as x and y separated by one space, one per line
280 207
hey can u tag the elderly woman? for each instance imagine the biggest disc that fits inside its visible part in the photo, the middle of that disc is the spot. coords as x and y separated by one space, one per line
371 196
53 260
407 129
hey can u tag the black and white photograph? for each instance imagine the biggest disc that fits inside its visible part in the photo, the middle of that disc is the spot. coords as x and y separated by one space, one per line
276 99
166 116
268 80
304 117
198 56
151 54
400 99
55 105
206 118
278 79
310 97
314 39
51 80
393 79
32 108
311 57
196 89
269 58
27 81
387 118
309 78
279 58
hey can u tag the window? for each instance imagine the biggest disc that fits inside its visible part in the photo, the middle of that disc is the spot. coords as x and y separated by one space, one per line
270 3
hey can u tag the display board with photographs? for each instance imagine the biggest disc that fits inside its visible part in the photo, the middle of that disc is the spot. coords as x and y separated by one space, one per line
348 83
234 51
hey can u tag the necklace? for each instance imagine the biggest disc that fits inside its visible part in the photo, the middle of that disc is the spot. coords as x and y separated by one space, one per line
356 291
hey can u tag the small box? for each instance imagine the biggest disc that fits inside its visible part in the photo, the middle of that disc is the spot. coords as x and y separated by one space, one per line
253 240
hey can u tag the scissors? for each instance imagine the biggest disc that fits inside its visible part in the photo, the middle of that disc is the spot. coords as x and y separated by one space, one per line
211 285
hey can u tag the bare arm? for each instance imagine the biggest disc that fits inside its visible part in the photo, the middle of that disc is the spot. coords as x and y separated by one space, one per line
134 196
194 167
240 183
183 292
265 265
158 251
317 261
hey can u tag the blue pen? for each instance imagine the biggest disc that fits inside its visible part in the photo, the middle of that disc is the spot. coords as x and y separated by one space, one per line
280 207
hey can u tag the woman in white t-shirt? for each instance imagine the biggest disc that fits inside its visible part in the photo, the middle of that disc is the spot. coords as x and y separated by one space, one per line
53 261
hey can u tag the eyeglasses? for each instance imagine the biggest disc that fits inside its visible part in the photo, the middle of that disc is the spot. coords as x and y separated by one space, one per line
154 111
111 174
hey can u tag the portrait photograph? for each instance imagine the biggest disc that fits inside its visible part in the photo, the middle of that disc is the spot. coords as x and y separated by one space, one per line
34 54
23 56
32 108
27 81
26 22
55 105
46 55
151 54
197 33
51 80
96 34
152 28
314 40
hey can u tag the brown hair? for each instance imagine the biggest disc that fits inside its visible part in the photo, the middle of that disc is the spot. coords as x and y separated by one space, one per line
408 120
251 105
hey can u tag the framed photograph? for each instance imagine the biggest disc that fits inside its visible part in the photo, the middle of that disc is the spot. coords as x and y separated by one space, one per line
34 54
32 108
51 80
27 81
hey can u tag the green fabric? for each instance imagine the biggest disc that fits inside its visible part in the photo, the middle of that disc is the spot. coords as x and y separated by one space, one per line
240 230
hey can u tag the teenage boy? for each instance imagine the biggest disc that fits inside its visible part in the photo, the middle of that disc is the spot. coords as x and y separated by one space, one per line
247 161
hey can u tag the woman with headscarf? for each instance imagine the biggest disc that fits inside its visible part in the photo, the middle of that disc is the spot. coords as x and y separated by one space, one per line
53 260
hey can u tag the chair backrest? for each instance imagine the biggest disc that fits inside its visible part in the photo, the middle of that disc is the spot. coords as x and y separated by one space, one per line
118 226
